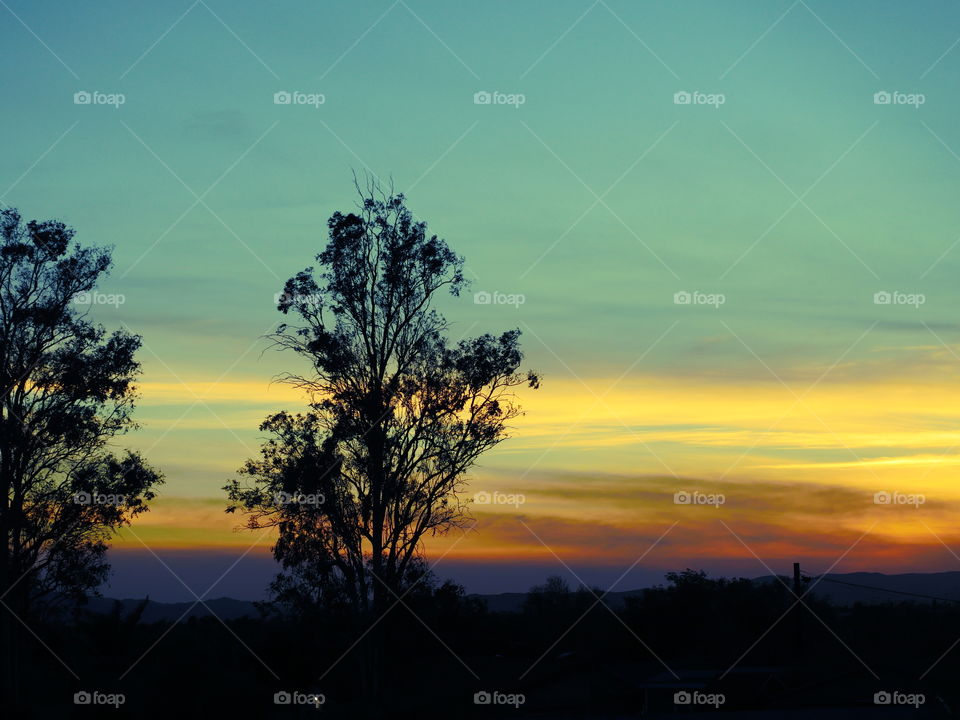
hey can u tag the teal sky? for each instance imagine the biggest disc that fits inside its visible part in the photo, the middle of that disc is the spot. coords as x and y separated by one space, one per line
694 197
798 95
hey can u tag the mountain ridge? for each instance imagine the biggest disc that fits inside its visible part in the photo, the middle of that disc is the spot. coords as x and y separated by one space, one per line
839 588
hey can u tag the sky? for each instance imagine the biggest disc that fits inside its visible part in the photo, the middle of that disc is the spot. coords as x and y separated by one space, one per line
727 230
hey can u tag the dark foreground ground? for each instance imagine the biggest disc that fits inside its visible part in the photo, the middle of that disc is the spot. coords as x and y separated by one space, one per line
695 648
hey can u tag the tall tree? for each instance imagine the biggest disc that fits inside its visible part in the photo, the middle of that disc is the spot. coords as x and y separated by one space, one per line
67 392
398 414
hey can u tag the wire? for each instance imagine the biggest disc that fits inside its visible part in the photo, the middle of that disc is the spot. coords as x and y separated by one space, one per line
888 590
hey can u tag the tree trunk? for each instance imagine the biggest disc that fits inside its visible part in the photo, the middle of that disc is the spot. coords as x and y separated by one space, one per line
9 647
377 637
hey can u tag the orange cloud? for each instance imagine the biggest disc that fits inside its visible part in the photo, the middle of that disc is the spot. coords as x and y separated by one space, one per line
598 462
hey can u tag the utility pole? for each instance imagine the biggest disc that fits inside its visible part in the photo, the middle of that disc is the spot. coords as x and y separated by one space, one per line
798 616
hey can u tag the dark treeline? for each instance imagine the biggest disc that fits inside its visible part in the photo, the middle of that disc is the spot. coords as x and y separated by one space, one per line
603 667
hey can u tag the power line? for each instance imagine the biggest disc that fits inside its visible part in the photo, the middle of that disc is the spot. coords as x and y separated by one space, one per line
888 590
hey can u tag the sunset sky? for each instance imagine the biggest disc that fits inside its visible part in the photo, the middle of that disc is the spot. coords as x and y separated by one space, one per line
787 200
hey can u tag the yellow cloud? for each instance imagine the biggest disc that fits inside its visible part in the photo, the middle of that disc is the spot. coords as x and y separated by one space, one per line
801 462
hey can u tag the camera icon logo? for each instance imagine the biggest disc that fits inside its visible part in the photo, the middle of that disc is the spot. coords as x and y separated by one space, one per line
881 498
882 298
482 97
682 497
82 498
282 98
82 98
482 698
282 698
682 98
882 98
82 698
682 298
482 498
682 698
482 298
882 698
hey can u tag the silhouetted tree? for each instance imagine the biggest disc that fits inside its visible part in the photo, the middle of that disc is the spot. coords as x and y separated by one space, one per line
67 392
398 414
553 595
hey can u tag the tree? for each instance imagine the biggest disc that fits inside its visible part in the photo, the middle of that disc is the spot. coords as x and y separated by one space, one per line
398 414
67 392
554 594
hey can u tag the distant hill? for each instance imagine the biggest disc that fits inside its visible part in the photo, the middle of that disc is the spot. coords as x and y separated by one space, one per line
838 588
225 608
894 588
